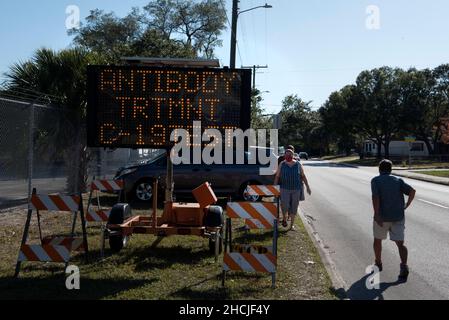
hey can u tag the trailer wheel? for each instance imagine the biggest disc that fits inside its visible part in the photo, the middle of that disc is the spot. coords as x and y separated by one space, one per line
119 213
116 243
214 219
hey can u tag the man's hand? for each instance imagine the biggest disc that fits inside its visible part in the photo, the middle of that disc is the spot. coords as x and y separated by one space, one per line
411 197
309 191
379 220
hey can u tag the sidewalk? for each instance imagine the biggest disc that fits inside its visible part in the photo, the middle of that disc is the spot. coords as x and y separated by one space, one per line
421 177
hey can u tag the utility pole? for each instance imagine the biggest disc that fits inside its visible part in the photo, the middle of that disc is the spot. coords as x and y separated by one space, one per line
255 68
235 15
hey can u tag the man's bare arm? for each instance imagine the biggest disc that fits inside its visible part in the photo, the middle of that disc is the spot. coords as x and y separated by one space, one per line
376 207
411 197
306 182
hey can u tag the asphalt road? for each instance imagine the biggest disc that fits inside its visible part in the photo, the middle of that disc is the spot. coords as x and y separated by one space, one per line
14 192
341 212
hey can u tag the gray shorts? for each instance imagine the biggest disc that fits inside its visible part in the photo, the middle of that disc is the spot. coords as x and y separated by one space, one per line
396 230
290 201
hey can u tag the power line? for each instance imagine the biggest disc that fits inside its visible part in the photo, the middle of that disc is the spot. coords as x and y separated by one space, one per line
31 96
32 92
230 26
316 70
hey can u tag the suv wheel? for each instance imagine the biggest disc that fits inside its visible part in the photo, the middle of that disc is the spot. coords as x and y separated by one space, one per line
143 191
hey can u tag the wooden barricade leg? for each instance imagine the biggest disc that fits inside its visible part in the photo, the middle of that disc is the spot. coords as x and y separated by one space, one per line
83 227
89 204
98 200
24 239
217 244
39 224
275 251
230 235
72 236
25 235
103 240
226 242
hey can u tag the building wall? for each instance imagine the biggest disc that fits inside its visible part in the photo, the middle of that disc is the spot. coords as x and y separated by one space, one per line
398 149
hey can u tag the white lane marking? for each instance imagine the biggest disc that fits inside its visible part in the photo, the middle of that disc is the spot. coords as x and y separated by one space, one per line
434 204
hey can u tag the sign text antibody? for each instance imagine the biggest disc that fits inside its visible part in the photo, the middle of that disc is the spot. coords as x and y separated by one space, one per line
139 107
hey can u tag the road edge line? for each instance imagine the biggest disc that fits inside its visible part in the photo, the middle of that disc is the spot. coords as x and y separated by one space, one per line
338 284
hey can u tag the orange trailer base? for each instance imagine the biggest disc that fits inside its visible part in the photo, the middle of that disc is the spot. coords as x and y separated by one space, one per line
144 225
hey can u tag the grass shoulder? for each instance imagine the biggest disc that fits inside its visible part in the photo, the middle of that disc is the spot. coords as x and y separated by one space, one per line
436 173
180 267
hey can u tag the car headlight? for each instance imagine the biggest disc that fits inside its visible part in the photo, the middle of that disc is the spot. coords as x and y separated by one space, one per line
127 171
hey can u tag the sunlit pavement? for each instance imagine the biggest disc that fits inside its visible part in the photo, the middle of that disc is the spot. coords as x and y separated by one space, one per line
14 191
341 211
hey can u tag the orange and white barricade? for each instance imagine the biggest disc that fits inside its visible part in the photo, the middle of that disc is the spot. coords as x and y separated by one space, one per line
264 191
75 244
52 248
257 215
96 213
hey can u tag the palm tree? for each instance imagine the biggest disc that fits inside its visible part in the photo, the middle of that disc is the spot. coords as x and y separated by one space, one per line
61 77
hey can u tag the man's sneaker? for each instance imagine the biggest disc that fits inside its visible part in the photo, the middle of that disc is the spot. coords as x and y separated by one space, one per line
403 275
379 266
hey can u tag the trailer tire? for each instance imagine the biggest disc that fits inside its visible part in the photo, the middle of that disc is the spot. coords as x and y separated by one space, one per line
116 243
215 219
119 213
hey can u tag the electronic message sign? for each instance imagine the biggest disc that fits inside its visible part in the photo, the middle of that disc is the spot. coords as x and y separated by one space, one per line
140 107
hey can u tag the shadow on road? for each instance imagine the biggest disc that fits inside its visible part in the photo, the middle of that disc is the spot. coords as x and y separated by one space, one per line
327 165
359 290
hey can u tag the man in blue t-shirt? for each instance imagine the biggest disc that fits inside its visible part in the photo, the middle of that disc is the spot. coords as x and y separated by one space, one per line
389 213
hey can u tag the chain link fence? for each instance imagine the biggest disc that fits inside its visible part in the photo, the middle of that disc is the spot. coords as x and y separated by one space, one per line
42 148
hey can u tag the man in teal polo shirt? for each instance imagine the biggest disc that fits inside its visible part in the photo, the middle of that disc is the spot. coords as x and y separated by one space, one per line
389 213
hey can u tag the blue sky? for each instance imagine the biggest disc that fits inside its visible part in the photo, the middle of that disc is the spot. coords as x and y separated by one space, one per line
312 47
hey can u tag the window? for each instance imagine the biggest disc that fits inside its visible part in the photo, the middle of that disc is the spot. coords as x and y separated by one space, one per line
419 147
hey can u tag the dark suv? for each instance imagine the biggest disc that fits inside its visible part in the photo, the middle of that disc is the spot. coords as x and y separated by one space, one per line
226 180
304 155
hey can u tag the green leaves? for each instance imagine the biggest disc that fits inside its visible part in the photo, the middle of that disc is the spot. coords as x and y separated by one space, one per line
164 28
387 104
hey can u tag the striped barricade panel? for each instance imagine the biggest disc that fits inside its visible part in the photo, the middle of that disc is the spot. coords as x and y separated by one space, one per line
55 203
258 215
252 249
97 215
107 185
73 244
44 253
264 191
264 263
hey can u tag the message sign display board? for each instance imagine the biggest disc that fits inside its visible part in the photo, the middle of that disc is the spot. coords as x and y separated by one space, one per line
140 106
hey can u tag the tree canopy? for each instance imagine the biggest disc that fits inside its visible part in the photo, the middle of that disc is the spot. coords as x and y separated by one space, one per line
386 104
163 28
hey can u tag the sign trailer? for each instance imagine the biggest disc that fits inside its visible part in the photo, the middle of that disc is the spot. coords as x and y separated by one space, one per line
138 106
